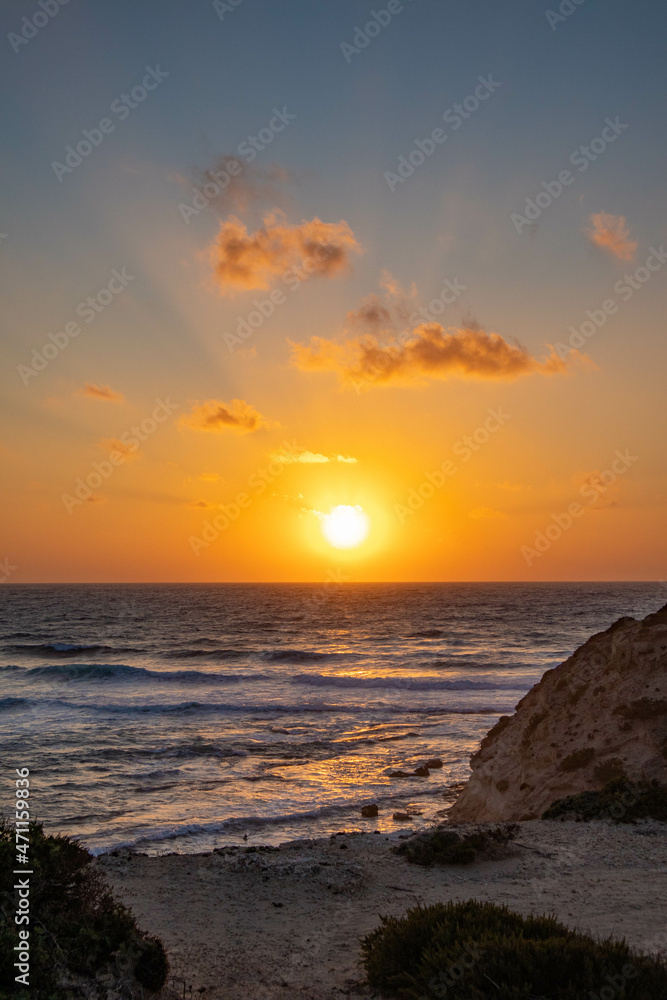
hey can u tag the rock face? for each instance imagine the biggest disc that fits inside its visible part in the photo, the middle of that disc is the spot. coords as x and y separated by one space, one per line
600 715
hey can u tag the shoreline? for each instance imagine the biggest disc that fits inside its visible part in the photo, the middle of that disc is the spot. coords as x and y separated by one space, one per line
284 923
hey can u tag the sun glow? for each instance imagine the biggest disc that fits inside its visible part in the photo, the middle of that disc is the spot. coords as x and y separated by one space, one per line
345 527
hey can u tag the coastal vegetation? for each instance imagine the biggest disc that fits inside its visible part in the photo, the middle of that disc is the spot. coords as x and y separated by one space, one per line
477 950
82 941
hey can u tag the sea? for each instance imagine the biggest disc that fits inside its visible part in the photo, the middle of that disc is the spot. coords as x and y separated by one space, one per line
181 718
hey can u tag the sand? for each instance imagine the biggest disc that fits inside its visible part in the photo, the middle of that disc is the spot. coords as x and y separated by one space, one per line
285 925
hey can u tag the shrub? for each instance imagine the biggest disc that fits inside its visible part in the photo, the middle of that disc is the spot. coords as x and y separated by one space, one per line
444 846
536 719
620 800
609 770
643 708
484 950
77 928
578 759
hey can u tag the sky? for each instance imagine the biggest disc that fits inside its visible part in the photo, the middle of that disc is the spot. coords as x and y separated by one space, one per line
262 263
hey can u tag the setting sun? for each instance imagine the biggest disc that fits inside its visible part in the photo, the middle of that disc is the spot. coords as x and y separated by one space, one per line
345 527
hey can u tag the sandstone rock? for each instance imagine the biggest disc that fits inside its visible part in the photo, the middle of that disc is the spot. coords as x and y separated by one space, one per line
369 811
422 772
434 763
600 715
401 816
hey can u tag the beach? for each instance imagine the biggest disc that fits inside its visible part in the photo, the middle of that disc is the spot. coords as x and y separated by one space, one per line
285 923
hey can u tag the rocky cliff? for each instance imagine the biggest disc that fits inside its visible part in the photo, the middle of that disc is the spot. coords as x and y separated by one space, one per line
600 715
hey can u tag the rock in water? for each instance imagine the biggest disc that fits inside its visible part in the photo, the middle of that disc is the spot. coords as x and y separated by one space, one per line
369 811
600 715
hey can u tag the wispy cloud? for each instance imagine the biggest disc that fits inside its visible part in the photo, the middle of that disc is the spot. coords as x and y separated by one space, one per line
116 445
611 233
233 186
104 392
214 415
309 458
242 260
486 514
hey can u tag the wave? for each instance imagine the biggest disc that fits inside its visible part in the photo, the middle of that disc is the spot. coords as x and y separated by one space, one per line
461 663
428 633
122 671
295 655
198 748
403 683
206 654
7 704
68 649
196 707
237 824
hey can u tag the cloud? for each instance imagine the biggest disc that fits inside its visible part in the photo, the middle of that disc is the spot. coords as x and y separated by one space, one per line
214 415
242 187
95 498
102 392
200 504
114 444
610 232
389 312
243 260
209 477
427 352
309 458
598 491
486 514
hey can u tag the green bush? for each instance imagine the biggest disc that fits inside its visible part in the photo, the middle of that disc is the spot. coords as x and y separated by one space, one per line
76 927
620 800
477 950
444 846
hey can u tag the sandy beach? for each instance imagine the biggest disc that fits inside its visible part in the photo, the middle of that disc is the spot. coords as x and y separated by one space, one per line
285 924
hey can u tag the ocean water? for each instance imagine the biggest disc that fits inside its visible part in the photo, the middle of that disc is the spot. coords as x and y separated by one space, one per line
186 717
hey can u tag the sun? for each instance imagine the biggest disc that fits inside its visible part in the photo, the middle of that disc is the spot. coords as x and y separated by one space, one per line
345 527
